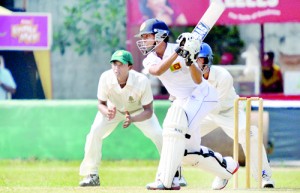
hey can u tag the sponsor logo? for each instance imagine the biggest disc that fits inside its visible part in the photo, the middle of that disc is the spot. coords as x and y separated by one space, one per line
201 30
26 32
131 99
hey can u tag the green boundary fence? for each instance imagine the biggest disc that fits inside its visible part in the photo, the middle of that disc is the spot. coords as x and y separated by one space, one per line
56 129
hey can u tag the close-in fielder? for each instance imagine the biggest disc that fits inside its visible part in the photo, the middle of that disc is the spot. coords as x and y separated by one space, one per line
123 95
195 98
223 117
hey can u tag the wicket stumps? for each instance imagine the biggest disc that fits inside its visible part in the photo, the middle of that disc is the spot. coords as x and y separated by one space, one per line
260 138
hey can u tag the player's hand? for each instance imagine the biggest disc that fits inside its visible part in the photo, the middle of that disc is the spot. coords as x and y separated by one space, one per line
111 113
188 61
127 121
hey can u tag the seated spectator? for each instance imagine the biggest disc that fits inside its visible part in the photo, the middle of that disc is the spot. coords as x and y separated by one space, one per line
272 81
7 83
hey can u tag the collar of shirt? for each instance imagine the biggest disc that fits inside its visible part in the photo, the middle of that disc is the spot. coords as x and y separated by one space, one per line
129 81
168 51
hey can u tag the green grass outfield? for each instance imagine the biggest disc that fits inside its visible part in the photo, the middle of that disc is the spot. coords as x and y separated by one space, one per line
119 177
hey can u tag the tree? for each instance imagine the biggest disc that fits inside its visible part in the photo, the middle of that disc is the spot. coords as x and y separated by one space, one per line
222 39
92 24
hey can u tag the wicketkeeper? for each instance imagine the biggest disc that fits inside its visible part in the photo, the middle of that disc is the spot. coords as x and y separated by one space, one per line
223 116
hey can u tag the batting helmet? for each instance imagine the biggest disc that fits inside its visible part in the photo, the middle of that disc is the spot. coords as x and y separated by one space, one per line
156 27
206 52
153 26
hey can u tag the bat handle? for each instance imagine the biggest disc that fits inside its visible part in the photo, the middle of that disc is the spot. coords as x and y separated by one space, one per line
185 53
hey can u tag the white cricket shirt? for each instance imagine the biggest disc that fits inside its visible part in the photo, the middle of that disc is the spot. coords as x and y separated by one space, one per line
7 79
177 79
222 80
132 97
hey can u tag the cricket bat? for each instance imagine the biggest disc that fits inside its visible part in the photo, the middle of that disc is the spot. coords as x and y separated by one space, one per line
209 18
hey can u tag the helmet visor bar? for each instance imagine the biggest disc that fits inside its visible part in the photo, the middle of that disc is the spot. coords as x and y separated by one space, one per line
144 47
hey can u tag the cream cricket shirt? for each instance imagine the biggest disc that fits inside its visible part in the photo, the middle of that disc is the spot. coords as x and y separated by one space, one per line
222 80
177 79
132 97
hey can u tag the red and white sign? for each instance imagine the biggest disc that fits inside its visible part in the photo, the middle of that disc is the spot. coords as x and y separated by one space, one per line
237 11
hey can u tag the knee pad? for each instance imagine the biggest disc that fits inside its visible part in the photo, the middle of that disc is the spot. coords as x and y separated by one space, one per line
176 118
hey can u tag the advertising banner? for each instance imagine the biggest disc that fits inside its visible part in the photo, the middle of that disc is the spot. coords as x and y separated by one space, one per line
25 31
188 13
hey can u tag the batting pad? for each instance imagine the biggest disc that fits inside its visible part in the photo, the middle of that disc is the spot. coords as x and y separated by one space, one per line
174 130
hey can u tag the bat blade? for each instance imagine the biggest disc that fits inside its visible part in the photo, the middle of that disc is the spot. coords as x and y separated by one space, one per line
209 18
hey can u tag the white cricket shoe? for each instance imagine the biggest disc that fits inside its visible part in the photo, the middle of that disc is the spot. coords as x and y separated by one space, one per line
232 167
182 181
268 183
90 180
158 185
219 183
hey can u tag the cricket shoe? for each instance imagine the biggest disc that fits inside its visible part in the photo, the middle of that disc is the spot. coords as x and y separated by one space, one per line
232 167
90 180
182 181
158 185
268 183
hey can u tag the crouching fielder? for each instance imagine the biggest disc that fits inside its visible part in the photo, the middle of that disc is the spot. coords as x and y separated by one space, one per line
124 96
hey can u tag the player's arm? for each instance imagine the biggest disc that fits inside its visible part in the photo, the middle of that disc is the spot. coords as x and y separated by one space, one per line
195 73
7 88
224 85
161 68
110 113
144 115
147 103
102 95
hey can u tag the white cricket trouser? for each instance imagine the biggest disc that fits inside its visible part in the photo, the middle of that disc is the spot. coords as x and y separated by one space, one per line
225 120
203 101
101 128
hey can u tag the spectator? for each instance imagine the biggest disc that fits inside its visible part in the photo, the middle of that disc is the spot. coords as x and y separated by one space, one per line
7 83
162 10
272 81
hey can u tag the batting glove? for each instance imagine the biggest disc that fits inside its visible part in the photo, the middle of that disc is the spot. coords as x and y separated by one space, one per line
182 38
191 49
